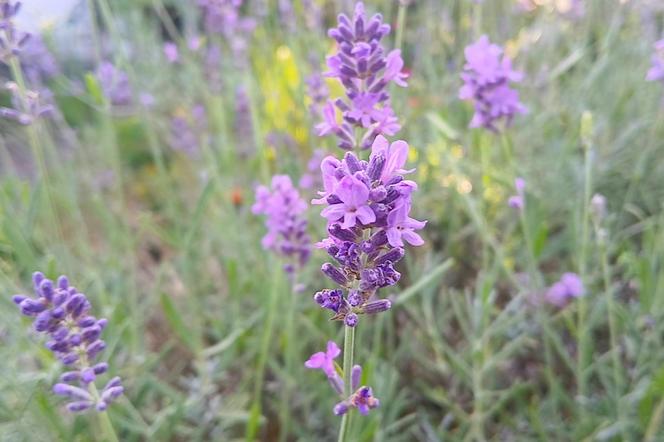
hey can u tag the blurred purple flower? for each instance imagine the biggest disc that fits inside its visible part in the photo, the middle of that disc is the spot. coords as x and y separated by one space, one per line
518 201
487 79
285 221
114 84
244 129
569 286
171 52
311 178
28 107
318 92
11 39
656 71
37 61
224 17
188 129
62 313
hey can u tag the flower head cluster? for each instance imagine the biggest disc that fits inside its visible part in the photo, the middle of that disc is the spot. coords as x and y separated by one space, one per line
362 397
318 92
37 62
568 287
518 201
656 71
114 84
186 129
243 125
224 17
63 314
365 71
285 221
27 107
487 75
367 209
311 178
11 39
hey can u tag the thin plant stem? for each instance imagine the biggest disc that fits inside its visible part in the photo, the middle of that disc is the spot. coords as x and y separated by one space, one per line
583 341
349 347
613 330
290 355
37 148
401 22
107 430
254 417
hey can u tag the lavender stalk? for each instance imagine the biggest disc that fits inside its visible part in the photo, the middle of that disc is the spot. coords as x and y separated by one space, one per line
367 202
61 312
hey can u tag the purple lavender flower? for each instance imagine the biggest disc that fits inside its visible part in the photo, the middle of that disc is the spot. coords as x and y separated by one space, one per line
187 129
311 178
285 221
518 201
37 61
318 92
365 71
62 313
325 360
11 39
114 84
244 129
487 79
171 52
362 397
29 107
224 17
656 71
569 286
287 15
368 205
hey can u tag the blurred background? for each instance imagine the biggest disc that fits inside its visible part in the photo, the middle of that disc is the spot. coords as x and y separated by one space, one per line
142 127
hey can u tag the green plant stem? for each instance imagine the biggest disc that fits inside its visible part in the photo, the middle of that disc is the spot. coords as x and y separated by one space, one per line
37 148
290 355
107 431
583 341
401 22
613 333
349 347
254 417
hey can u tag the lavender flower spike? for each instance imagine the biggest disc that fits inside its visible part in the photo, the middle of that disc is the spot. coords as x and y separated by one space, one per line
368 205
365 71
11 39
487 79
285 221
62 313
656 71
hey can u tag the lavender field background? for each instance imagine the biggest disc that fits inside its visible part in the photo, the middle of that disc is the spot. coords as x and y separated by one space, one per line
164 155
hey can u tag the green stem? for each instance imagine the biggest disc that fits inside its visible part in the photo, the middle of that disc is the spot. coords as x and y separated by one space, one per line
290 355
349 347
613 330
107 431
401 22
38 150
583 342
254 417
